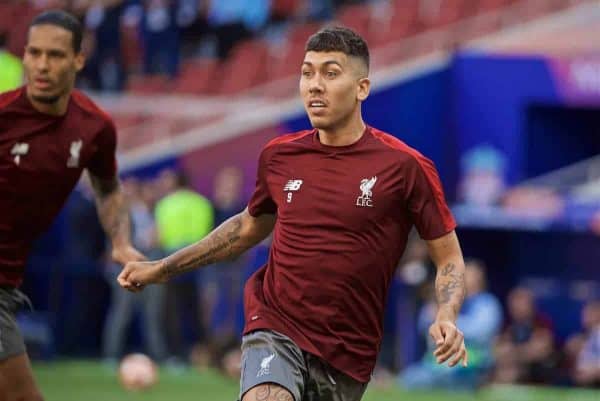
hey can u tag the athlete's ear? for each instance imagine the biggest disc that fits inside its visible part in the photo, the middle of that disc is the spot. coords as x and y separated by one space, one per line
364 87
79 61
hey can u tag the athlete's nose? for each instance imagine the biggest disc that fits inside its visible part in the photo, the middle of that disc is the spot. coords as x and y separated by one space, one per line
316 85
42 63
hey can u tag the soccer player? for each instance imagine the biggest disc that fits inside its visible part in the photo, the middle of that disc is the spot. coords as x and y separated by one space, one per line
49 133
341 199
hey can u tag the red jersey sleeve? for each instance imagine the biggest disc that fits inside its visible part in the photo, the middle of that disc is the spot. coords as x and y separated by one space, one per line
261 201
103 163
425 199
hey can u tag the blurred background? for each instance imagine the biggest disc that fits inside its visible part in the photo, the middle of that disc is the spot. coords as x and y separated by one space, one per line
503 95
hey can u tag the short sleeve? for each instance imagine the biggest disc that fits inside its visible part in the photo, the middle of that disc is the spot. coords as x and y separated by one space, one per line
425 199
261 201
103 163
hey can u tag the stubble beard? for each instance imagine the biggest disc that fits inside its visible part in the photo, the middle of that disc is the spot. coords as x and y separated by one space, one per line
52 99
46 99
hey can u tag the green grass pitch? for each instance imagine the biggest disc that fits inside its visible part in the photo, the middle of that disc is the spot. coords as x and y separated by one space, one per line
91 381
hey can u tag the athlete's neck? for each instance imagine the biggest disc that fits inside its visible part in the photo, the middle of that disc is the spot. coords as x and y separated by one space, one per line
57 108
343 136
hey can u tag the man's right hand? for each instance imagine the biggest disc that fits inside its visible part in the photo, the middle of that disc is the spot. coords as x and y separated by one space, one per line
136 275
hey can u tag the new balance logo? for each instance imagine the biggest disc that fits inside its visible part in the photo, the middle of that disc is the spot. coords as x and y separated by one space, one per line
292 185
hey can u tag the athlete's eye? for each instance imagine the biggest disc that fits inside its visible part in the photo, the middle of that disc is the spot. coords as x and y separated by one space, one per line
56 54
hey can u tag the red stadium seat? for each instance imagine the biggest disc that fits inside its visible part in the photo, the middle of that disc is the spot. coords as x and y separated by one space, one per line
390 25
245 67
489 5
148 84
301 32
131 48
6 17
284 8
531 10
357 18
21 17
127 120
285 61
449 11
198 77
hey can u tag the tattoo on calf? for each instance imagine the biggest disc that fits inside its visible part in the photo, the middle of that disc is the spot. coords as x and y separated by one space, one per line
268 392
263 393
283 395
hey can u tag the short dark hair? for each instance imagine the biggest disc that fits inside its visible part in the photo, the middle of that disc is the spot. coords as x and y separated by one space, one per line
64 20
339 39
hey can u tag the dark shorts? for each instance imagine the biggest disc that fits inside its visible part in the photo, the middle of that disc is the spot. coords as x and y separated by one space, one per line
271 357
11 340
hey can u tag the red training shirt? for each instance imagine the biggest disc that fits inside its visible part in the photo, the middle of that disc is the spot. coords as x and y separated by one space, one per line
343 219
41 160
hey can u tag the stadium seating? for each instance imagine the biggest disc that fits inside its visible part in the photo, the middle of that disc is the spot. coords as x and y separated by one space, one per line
148 84
199 77
401 21
488 5
284 8
284 60
244 68
445 12
356 17
255 62
15 19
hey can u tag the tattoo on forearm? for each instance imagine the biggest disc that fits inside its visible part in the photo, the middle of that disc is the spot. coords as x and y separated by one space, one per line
450 287
116 217
223 243
112 208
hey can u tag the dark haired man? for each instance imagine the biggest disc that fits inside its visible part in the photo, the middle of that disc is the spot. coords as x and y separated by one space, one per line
49 133
341 199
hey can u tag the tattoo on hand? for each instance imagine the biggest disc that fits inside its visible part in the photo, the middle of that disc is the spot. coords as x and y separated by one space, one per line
221 243
450 287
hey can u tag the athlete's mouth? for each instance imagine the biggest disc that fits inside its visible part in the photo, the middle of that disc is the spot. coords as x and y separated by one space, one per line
42 83
317 104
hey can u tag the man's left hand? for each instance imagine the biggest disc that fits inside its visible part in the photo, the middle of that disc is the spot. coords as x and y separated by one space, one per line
449 342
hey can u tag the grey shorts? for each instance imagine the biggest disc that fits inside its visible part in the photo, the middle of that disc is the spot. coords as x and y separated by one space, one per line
271 357
11 340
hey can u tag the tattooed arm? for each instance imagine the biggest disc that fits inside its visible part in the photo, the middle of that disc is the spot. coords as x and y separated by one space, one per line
450 292
227 241
114 216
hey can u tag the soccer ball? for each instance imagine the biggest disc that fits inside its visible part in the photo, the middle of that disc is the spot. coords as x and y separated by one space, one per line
137 372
